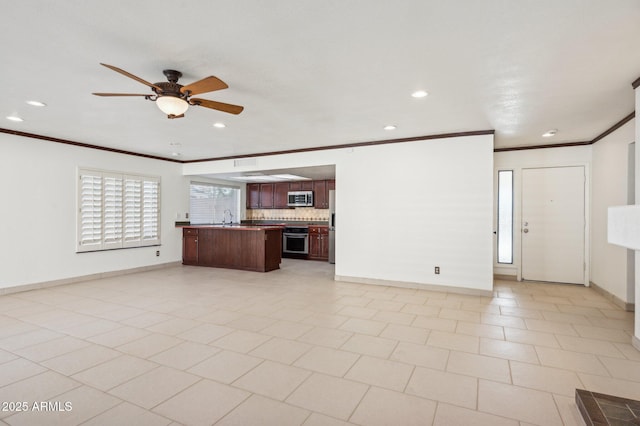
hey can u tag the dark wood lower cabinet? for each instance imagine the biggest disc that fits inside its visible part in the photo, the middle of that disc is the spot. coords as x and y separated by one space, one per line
190 246
250 249
318 243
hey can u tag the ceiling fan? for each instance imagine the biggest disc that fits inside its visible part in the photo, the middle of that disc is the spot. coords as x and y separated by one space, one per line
174 99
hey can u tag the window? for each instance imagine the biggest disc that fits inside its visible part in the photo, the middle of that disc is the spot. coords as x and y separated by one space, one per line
117 210
211 203
505 216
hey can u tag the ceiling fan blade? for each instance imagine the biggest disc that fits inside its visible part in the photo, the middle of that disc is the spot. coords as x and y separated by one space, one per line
120 94
207 84
171 116
138 79
231 109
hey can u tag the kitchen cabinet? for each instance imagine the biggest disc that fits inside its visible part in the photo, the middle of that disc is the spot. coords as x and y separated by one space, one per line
321 190
280 197
274 195
260 196
253 195
266 195
190 246
320 198
303 185
241 247
318 242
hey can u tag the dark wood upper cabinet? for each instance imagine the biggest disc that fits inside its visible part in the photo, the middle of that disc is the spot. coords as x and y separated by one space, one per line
253 195
303 185
280 198
266 195
275 195
320 195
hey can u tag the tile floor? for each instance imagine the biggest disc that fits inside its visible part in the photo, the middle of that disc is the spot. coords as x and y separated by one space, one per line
193 345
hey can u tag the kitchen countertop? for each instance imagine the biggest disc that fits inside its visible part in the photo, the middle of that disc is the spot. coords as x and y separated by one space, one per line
234 227
258 223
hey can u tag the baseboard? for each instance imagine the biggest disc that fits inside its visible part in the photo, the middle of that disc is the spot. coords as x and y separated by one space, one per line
629 307
65 281
418 286
505 277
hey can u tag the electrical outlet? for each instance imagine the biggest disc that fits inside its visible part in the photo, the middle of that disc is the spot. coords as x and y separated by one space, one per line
157 252
437 270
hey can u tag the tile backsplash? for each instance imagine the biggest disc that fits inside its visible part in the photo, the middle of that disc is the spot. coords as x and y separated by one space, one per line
299 213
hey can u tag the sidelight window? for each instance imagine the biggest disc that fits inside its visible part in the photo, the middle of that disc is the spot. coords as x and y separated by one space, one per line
505 216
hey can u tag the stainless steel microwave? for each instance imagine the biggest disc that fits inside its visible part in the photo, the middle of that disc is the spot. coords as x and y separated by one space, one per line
300 198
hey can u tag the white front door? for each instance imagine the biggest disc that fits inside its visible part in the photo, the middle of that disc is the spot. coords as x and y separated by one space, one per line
553 224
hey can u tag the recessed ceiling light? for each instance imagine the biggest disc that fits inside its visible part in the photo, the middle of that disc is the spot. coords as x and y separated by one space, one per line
36 103
390 127
219 125
14 118
419 94
550 133
175 154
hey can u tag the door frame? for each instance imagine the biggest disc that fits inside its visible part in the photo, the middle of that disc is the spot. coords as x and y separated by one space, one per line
516 266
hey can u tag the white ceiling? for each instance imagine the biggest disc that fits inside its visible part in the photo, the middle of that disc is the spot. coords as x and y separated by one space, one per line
319 73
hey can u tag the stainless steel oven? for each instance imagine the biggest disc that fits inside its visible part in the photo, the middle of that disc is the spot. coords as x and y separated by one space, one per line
295 240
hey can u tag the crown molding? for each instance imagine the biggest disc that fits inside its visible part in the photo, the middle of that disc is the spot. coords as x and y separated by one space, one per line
350 145
84 145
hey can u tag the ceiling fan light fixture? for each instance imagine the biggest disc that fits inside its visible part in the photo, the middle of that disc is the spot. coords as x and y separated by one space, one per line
172 105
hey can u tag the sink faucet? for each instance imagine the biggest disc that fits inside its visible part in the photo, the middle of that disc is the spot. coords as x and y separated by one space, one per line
224 217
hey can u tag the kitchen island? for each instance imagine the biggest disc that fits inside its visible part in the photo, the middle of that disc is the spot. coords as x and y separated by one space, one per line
246 247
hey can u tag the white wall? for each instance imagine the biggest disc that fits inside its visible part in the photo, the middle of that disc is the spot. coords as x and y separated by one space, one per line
38 214
636 334
404 208
518 160
609 173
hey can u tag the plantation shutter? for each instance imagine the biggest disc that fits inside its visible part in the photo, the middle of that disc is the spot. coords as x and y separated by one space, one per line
132 211
112 211
117 211
150 203
90 212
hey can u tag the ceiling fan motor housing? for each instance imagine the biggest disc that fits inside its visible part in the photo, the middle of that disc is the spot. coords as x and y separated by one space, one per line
169 89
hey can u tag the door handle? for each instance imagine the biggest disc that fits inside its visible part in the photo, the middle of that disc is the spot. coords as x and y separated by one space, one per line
525 230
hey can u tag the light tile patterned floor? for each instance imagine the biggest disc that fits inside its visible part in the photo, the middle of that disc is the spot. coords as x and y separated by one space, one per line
192 345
